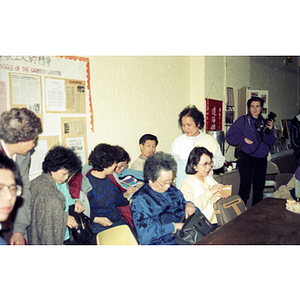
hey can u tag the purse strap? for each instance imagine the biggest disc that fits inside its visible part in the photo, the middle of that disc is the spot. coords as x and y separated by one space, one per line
212 216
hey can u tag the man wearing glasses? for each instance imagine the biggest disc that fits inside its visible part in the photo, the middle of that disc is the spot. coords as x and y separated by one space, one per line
10 188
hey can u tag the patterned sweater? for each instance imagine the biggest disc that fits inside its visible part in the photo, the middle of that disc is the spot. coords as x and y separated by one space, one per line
105 198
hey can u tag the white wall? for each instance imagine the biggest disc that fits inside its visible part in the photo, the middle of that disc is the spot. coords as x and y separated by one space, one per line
134 95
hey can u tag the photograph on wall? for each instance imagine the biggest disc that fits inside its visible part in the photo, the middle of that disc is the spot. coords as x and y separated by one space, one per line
230 98
229 117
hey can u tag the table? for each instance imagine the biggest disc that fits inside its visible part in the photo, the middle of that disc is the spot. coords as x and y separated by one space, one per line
266 223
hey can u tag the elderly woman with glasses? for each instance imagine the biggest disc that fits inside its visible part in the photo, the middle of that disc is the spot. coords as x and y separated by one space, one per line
199 187
158 206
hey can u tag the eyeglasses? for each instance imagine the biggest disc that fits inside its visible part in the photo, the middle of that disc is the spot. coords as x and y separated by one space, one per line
15 190
210 165
164 184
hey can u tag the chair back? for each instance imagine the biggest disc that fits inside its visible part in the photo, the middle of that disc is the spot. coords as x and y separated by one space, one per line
272 168
272 171
119 235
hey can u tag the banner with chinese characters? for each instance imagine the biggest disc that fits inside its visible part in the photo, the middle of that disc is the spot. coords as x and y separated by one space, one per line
214 113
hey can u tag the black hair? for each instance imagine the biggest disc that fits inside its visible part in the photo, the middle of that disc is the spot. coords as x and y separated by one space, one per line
158 162
60 157
122 154
147 137
103 156
8 164
262 101
194 159
193 112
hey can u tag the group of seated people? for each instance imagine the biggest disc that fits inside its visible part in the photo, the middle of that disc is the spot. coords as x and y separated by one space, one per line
97 192
111 194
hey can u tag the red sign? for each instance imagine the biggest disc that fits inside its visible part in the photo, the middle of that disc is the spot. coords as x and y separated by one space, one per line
214 113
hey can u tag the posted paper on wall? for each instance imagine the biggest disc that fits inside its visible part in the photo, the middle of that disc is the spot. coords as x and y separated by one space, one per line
26 90
77 145
55 95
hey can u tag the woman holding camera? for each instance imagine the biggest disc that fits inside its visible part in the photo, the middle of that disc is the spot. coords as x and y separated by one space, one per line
254 136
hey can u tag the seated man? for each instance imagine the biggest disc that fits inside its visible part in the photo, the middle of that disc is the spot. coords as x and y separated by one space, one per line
148 143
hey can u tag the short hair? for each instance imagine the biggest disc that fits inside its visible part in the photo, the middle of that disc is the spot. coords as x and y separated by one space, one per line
19 125
122 154
60 157
8 164
147 137
262 101
193 112
194 159
158 162
103 156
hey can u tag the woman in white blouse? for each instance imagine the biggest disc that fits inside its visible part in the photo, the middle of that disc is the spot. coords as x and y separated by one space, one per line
199 187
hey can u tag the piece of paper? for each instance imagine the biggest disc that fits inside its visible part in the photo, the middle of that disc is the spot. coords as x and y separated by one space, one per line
26 90
77 145
55 95
37 157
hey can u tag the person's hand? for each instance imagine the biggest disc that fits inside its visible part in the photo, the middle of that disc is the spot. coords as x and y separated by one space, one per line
71 222
103 221
270 124
217 188
130 191
178 226
248 141
17 239
189 209
78 207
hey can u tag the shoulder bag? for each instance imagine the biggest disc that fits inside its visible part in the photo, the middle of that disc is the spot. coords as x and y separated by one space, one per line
228 208
83 234
195 227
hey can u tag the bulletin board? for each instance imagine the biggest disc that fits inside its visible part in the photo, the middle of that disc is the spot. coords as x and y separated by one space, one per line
57 89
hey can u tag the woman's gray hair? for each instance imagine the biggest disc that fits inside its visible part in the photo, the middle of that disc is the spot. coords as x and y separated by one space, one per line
158 162
19 125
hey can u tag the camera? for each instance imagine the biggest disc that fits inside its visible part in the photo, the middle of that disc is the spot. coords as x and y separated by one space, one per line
263 128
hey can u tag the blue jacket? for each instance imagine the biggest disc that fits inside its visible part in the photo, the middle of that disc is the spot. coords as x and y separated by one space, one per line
146 207
244 127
